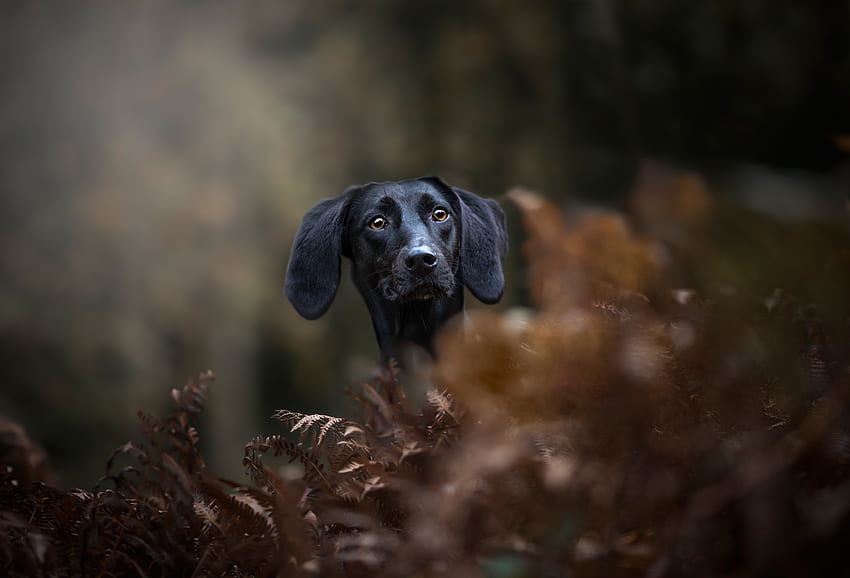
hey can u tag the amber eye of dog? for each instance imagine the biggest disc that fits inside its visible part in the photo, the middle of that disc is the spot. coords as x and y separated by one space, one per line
377 223
440 215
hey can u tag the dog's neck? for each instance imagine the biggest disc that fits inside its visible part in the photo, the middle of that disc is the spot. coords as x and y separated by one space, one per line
413 322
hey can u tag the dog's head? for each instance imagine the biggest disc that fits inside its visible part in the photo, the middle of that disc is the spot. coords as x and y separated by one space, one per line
413 240
403 240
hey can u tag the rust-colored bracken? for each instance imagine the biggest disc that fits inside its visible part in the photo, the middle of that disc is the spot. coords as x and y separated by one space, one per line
663 407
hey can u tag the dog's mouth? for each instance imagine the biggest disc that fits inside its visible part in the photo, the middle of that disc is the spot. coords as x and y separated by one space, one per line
401 292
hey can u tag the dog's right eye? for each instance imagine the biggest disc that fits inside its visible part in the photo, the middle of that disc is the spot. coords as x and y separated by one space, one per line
377 223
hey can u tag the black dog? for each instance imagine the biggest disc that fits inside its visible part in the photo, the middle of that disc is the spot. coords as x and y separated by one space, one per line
414 246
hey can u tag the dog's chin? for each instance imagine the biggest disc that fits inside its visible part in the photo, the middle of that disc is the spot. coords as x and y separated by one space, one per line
422 292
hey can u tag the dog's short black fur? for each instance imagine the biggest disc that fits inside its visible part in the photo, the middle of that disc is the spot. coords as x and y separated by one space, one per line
414 246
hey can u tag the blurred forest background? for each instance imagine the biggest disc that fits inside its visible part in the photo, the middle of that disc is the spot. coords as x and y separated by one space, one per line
157 158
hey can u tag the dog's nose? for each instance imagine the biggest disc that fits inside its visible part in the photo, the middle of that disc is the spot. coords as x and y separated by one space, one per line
420 260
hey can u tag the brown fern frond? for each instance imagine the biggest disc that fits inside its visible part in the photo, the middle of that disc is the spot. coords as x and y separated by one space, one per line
252 460
316 426
207 511
442 402
193 396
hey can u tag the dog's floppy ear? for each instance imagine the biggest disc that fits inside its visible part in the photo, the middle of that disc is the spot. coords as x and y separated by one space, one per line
312 276
483 247
484 244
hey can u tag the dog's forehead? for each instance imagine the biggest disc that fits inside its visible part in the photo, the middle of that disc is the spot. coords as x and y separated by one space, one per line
399 192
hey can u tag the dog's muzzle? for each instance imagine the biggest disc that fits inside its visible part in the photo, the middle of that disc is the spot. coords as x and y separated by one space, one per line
420 273
420 261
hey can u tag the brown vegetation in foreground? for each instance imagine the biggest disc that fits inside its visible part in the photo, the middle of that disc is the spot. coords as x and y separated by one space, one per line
670 408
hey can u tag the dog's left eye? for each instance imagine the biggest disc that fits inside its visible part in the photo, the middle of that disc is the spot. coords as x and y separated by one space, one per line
440 214
377 223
